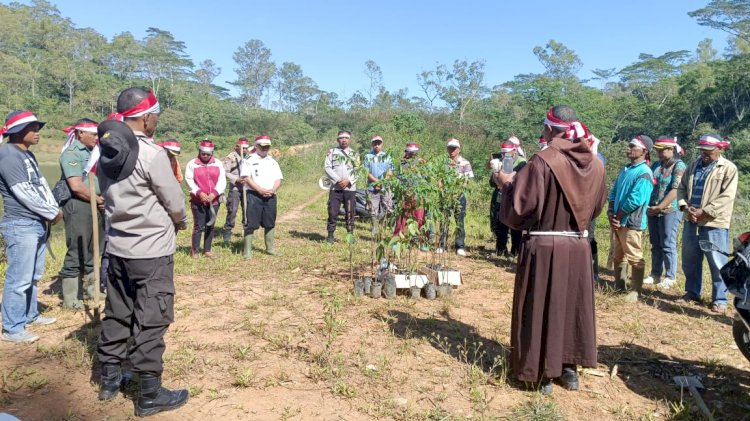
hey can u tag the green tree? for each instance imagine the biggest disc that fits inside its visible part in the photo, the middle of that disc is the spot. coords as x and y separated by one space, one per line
255 71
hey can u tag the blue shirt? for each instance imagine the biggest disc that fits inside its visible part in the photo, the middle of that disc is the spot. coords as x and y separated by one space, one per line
377 165
631 193
699 180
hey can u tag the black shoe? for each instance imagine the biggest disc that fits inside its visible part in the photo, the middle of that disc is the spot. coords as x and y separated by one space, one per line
544 386
569 378
330 239
227 237
111 380
152 398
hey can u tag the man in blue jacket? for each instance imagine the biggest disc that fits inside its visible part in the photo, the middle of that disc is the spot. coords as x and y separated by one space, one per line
628 201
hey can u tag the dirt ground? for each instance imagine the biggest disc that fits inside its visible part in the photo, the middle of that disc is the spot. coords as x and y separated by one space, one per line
284 338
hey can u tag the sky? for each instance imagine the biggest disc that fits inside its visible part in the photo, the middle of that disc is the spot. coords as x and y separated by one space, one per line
331 40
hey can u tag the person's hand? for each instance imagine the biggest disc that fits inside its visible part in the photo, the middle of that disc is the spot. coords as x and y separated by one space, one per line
178 226
238 183
343 183
504 178
210 198
202 197
377 187
696 215
57 217
268 193
614 223
653 210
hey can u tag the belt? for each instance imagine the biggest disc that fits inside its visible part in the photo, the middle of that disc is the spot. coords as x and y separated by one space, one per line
574 234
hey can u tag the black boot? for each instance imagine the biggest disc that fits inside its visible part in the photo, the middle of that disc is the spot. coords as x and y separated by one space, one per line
111 381
153 398
569 378
330 239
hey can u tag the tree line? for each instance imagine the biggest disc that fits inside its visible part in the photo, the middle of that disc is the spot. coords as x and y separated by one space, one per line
63 72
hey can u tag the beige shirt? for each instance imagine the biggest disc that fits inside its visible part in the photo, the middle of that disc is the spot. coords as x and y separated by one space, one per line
719 192
142 210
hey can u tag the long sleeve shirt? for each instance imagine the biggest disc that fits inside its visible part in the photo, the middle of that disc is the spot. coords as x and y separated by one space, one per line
719 191
208 178
143 208
25 191
631 193
339 164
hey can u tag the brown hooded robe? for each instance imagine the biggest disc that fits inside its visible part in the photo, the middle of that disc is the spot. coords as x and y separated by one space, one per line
561 189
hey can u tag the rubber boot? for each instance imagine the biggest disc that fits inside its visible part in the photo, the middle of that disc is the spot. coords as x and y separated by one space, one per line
374 229
621 276
89 288
248 254
227 236
152 398
268 237
70 294
330 239
111 381
636 283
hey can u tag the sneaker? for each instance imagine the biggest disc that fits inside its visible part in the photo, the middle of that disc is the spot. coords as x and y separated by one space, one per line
20 337
667 283
650 280
42 321
439 250
424 248
461 252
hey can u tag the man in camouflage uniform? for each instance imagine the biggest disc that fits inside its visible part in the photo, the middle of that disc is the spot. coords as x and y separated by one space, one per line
234 198
78 266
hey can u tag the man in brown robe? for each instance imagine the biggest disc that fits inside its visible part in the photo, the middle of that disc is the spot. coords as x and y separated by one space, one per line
553 198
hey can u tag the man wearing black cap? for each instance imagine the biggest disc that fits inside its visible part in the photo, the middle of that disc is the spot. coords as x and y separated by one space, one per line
628 201
28 207
144 206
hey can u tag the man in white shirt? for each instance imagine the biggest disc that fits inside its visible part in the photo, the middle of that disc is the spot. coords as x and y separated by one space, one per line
262 176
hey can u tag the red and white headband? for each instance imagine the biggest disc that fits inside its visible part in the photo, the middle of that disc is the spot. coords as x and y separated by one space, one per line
263 140
573 129
206 146
710 140
376 138
82 127
71 131
669 142
243 143
636 141
412 147
17 120
149 105
172 145
507 147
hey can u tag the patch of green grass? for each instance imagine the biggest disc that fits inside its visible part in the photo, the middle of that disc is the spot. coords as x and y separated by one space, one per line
537 408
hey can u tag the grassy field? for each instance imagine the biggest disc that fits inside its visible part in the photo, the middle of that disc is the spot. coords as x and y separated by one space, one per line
284 338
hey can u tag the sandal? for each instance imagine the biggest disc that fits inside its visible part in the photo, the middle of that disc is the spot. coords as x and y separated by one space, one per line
719 308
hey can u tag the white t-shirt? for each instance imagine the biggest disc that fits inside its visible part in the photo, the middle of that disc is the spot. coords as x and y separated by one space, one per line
263 171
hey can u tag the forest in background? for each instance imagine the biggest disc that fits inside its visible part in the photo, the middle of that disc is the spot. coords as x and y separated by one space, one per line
63 73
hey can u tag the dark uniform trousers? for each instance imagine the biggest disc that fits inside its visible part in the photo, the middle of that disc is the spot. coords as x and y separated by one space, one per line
501 230
79 239
140 304
335 199
261 212
234 201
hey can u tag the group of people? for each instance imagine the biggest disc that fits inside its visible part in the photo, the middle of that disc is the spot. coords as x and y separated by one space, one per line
340 167
655 197
135 205
546 203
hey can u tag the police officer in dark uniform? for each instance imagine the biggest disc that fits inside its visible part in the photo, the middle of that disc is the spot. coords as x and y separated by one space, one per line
232 169
144 206
79 232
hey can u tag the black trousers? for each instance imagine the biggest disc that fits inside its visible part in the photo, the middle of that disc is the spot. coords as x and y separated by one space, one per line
234 201
335 199
139 304
261 212
201 217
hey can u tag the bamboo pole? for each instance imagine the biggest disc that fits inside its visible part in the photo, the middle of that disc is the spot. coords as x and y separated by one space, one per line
95 245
